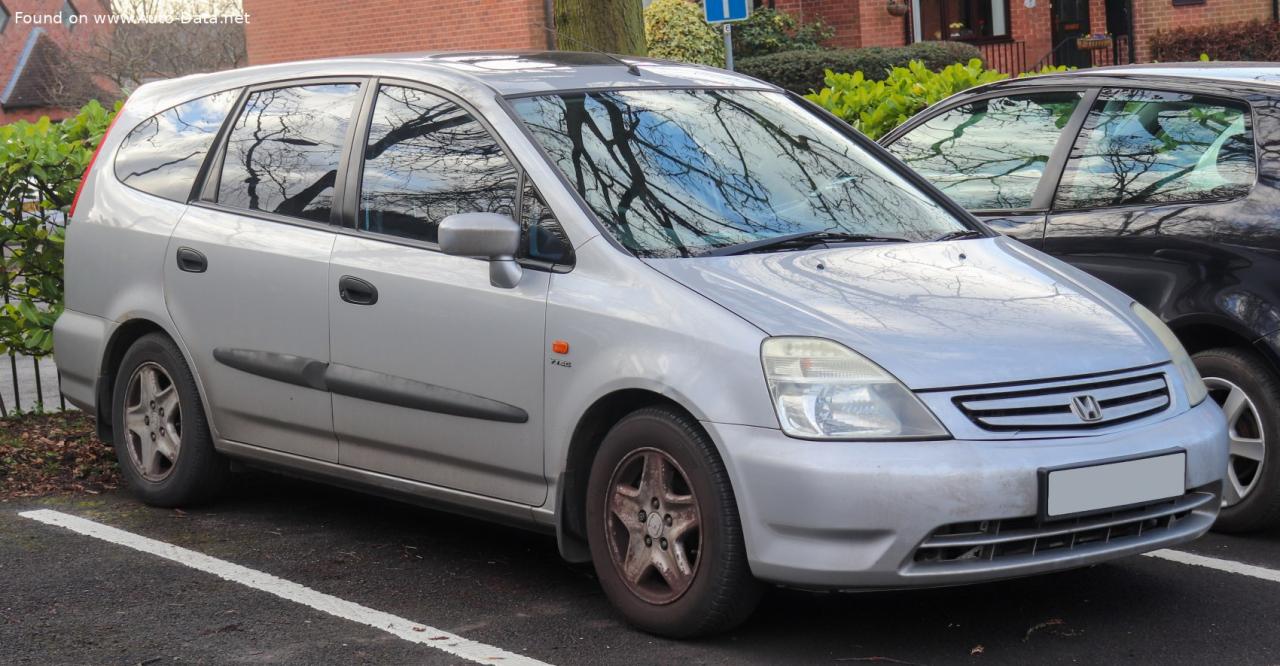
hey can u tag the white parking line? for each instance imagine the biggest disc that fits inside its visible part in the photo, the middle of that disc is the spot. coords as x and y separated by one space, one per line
347 610
1215 563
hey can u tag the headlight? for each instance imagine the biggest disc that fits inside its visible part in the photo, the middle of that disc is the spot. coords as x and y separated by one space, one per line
1196 391
824 390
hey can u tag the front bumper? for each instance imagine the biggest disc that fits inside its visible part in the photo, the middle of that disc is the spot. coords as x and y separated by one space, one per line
854 514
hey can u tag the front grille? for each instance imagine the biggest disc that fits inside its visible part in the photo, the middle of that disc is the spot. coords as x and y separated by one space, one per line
1106 402
993 540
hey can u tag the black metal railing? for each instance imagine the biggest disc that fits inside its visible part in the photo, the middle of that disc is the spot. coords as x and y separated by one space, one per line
34 384
1008 57
1116 53
29 387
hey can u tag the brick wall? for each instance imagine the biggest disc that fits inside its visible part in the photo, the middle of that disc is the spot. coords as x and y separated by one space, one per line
15 36
840 15
280 30
1151 16
879 27
1033 26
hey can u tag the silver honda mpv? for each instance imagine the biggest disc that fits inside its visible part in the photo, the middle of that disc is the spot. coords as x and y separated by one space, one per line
702 332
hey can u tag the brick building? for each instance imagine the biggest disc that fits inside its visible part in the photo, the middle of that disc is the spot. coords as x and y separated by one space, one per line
1029 32
1013 34
37 43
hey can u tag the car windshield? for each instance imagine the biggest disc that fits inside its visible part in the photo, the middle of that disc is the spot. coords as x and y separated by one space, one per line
680 173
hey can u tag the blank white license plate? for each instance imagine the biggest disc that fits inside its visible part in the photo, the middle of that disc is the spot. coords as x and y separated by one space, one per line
1114 485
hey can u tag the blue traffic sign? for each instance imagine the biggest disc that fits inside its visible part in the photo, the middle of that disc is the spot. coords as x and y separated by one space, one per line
722 11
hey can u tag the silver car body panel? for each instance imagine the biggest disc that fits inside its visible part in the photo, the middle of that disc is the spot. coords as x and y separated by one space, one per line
934 315
343 379
264 291
438 321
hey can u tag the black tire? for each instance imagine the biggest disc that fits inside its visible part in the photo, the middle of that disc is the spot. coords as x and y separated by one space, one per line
722 592
197 472
1260 508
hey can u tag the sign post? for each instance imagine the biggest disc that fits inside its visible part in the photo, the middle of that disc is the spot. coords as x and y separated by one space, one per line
726 12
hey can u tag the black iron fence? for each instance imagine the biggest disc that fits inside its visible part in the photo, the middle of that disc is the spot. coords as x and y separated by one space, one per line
30 384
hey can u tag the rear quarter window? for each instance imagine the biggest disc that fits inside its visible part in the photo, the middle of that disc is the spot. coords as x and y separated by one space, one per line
163 154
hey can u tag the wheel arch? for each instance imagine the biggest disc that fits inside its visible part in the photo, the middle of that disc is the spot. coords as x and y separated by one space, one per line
1200 333
590 430
121 339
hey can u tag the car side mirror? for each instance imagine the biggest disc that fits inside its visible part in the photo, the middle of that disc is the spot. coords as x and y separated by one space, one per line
489 235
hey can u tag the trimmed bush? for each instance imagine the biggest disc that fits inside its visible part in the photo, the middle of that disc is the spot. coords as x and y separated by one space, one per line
771 31
676 30
804 72
43 162
875 107
1249 40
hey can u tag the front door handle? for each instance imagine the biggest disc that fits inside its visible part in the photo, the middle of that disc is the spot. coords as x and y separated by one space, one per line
192 261
356 291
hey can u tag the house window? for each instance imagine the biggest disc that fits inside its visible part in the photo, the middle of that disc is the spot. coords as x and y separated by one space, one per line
68 13
965 20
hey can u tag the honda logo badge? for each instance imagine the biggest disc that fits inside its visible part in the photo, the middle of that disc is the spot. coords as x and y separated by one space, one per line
1086 408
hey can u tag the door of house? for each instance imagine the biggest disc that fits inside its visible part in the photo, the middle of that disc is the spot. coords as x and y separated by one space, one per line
1070 20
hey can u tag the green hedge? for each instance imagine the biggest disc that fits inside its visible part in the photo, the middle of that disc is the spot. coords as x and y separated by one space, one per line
1248 40
773 31
41 164
804 71
677 30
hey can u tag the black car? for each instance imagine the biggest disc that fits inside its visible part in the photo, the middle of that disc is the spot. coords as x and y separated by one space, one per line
1163 180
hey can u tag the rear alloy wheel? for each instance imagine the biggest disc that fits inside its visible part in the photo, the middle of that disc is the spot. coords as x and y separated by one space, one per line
158 424
1240 382
153 422
663 526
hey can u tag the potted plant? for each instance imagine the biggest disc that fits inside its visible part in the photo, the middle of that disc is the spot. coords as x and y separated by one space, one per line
1094 42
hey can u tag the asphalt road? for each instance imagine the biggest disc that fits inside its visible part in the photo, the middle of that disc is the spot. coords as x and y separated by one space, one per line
66 598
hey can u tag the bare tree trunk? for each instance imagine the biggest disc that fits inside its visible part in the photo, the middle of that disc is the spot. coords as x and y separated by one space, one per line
612 26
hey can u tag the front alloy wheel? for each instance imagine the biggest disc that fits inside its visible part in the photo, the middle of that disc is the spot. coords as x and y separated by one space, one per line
663 527
1242 383
1248 448
653 526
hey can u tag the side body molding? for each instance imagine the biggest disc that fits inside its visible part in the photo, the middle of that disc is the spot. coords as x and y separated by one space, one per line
368 385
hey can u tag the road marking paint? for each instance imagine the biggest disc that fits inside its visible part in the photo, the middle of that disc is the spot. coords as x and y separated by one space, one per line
1215 563
347 610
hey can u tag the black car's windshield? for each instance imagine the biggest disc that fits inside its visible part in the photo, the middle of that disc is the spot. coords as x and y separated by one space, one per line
677 173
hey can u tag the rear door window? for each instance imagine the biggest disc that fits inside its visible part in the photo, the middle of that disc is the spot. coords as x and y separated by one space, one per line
284 150
989 154
1149 147
163 154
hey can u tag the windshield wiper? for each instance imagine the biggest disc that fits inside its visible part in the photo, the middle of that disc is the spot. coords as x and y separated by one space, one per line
960 235
803 238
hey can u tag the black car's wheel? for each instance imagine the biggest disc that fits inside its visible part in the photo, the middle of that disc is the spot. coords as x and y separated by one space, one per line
161 439
1249 394
664 530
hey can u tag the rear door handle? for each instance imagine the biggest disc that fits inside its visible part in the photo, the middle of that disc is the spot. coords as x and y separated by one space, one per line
192 261
356 291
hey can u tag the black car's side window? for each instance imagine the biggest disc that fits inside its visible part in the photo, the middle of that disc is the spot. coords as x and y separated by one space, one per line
426 159
283 151
1146 147
989 154
162 155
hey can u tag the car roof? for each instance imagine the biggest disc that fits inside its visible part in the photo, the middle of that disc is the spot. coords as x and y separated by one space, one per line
504 72
1226 75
